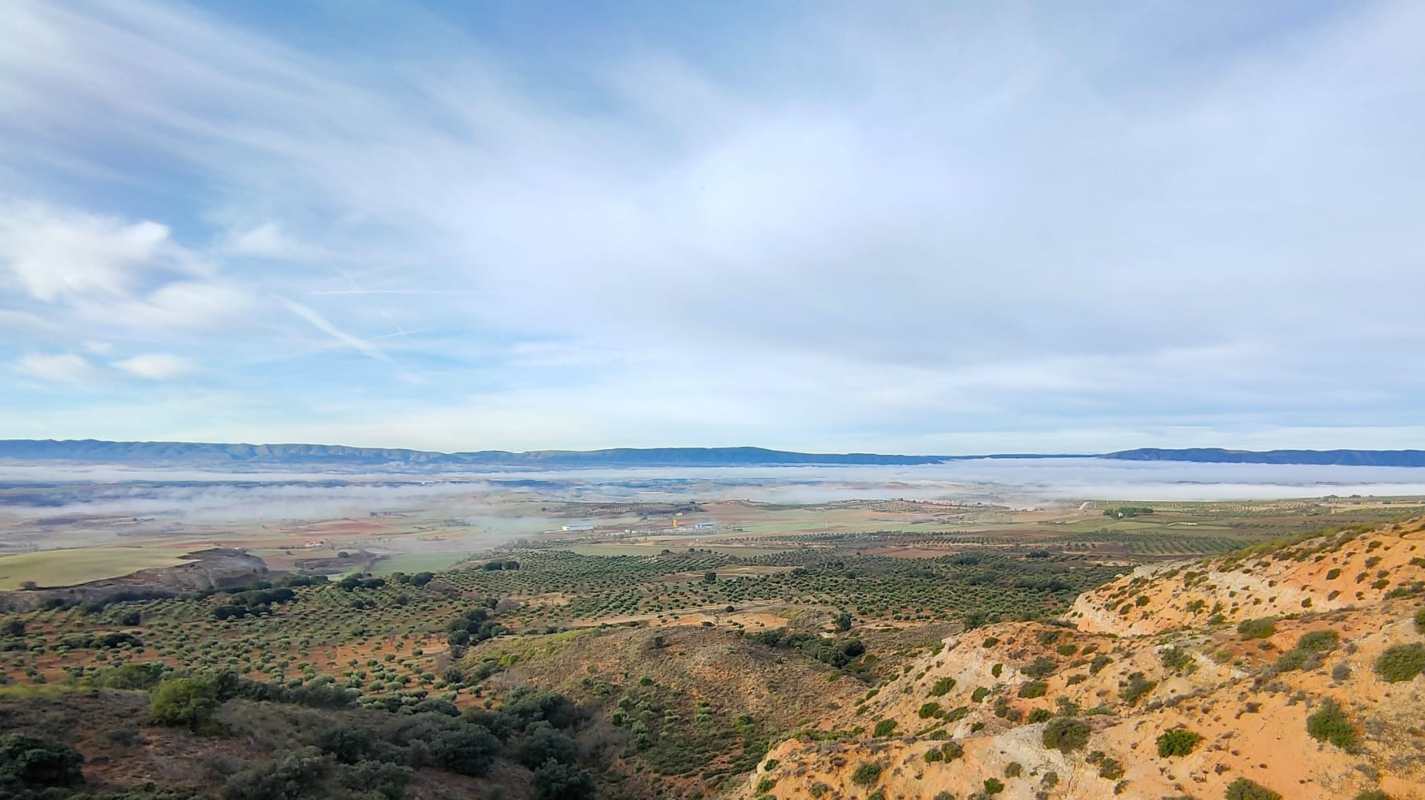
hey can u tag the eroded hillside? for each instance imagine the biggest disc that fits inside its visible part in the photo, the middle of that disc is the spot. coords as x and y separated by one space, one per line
1291 670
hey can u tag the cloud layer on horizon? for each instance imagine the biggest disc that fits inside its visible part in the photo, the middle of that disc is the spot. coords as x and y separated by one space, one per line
919 229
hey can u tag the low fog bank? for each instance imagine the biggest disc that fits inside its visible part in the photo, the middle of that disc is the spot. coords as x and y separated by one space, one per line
31 491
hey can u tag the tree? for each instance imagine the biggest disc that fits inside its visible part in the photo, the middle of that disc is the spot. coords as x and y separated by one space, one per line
36 763
709 577
843 621
559 781
468 750
184 701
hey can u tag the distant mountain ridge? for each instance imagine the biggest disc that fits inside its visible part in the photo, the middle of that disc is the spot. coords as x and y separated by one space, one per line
202 453
221 454
1217 455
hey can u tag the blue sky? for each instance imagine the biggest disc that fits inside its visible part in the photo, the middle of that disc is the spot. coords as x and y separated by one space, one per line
912 227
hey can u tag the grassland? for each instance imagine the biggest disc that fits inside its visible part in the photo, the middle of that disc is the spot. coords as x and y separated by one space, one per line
81 565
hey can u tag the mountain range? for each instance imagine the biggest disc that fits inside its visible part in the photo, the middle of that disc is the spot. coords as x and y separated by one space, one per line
214 454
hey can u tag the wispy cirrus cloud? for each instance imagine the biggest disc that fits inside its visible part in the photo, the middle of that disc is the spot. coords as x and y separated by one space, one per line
156 366
64 368
899 229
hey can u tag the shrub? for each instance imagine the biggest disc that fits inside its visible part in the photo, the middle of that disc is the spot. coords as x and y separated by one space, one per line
34 763
993 786
1373 794
1110 768
349 745
1066 734
1318 641
1033 689
1177 742
184 701
866 774
1098 663
952 750
1292 660
1419 621
929 710
559 781
132 676
884 728
1257 628
291 778
467 749
542 743
1136 687
1329 724
1243 789
388 781
1175 659
1042 667
1014 769
1039 715
1401 663
942 687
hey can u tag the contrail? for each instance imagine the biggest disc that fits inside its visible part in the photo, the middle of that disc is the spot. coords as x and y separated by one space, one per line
322 324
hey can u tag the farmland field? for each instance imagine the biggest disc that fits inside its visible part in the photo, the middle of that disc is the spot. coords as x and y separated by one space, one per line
682 623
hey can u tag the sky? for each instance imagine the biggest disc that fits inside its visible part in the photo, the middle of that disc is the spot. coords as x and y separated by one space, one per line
900 227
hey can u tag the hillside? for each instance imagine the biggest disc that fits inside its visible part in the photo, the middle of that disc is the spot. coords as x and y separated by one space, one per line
1187 693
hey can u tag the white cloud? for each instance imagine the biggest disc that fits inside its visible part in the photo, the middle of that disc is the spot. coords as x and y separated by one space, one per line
268 240
896 227
156 366
66 368
56 255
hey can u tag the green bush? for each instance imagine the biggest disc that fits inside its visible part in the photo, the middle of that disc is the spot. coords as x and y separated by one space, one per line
1420 620
929 710
1042 667
1243 789
1066 734
1033 689
1318 641
1135 689
884 728
1401 663
993 786
866 774
1177 742
34 763
1176 659
942 687
1110 768
1329 724
1257 628
184 701
1373 794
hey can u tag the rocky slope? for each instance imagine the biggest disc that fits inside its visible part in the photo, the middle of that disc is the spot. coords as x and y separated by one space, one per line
1179 681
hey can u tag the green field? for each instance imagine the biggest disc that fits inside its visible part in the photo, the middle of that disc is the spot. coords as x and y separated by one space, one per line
417 562
66 567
